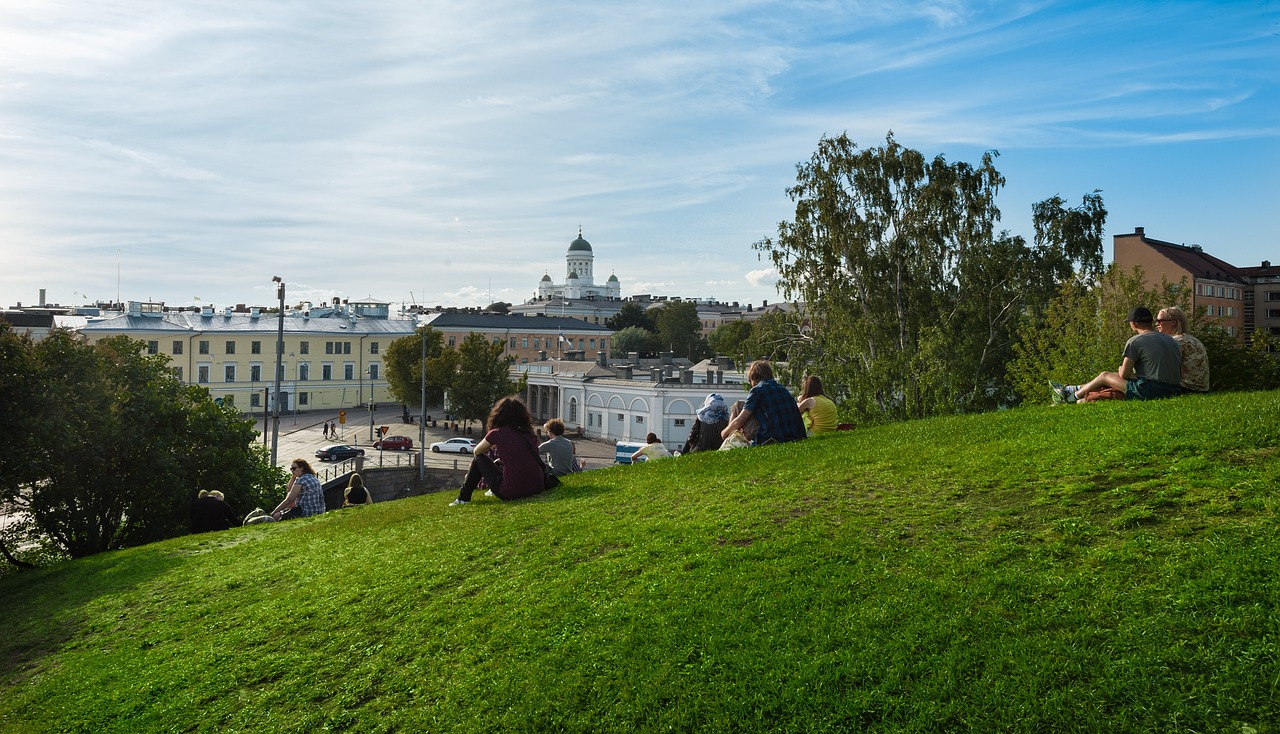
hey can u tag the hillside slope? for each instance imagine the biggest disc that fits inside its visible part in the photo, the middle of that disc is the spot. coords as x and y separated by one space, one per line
1082 568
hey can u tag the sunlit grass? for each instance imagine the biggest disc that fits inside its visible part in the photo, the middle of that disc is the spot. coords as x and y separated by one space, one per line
1085 568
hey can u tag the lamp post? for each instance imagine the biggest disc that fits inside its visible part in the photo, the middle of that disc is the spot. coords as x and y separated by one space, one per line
275 404
367 372
422 409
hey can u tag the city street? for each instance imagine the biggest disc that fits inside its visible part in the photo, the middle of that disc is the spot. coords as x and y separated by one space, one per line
302 435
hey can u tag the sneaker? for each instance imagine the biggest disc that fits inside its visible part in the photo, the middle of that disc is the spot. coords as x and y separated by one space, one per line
1059 392
489 493
455 503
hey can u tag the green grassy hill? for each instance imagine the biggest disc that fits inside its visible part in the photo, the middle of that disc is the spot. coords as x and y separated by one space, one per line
1084 568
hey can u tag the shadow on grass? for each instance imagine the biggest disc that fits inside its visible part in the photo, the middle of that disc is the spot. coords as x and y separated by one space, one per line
44 612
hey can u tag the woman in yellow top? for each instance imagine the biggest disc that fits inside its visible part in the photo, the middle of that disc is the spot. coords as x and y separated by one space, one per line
817 410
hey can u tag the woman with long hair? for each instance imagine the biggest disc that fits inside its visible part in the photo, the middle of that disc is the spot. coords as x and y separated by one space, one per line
356 493
816 409
510 431
304 491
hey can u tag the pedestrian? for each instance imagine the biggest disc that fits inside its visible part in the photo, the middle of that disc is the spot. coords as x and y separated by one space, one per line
326 429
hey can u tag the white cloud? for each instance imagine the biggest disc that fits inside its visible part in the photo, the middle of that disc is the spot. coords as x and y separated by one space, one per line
762 277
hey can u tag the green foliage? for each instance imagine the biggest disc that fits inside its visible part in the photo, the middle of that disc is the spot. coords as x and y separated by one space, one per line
404 367
632 314
1237 365
116 448
1100 568
635 339
680 330
730 339
481 379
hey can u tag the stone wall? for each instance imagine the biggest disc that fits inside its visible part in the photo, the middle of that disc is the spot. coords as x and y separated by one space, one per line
393 483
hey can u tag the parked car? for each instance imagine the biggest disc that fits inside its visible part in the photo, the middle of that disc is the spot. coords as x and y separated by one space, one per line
394 443
339 452
458 445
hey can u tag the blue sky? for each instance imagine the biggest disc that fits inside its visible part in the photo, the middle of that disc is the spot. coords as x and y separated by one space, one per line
446 153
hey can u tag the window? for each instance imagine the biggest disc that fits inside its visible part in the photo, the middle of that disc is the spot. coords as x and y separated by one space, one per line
373 347
328 347
573 410
177 346
497 340
451 341
231 348
1220 310
513 342
537 343
1231 311
229 373
255 347
1273 313
304 348
280 372
202 374
639 419
679 422
373 372
582 343
592 343
302 398
255 373
620 418
304 372
1273 295
346 347
524 342
348 371
153 347
326 372
203 347
254 399
1221 292
177 372
229 401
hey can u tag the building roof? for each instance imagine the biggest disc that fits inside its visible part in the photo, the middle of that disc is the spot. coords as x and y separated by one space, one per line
186 321
579 245
1195 261
500 321
21 320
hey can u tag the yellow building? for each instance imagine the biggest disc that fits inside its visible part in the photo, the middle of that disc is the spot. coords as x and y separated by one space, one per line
332 355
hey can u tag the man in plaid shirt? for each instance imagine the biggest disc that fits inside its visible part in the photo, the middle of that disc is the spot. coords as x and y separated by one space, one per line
772 405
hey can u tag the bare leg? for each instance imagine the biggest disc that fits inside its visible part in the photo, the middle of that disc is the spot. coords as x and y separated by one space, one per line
1104 379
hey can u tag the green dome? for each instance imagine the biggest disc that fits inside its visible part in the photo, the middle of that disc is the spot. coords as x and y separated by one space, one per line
579 245
573 275
613 278
546 278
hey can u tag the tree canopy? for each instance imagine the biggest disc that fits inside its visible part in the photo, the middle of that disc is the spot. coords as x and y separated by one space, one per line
680 330
404 367
632 314
481 379
113 448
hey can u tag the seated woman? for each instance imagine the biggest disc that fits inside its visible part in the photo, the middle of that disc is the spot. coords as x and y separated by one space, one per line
303 492
816 409
511 433
560 450
652 449
210 511
741 438
356 493
712 418
1195 358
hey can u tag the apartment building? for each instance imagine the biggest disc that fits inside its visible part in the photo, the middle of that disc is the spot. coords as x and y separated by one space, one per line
526 338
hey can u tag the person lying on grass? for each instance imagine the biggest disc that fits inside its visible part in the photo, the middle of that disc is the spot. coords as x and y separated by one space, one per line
1151 367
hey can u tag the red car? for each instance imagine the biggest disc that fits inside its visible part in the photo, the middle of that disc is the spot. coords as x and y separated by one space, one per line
394 443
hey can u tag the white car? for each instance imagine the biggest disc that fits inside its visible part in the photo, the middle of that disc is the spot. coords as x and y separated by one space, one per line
455 445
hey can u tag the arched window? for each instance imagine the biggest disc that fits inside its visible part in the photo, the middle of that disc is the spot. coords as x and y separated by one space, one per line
573 410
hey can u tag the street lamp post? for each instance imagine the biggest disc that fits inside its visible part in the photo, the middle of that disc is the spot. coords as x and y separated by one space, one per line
275 404
422 410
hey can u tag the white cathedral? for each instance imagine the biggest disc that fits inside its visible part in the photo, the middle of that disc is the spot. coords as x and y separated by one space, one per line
579 283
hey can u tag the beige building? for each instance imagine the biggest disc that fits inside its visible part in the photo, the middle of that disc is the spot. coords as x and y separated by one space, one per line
1243 300
526 338
332 356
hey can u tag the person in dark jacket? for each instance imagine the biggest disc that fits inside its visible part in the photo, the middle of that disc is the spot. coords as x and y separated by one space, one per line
511 433
211 512
712 418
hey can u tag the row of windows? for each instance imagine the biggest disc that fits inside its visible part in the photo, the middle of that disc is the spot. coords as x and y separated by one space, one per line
1218 291
1227 311
304 372
550 342
255 347
255 399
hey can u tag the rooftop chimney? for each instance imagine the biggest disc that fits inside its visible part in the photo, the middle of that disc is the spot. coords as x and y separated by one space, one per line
1139 231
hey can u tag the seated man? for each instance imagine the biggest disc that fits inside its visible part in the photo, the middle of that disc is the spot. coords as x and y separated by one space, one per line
772 405
1151 368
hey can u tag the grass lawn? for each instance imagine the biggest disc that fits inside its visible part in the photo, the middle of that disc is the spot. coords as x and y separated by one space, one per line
1110 567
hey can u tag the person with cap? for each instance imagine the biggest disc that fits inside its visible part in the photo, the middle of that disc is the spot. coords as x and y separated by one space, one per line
1151 367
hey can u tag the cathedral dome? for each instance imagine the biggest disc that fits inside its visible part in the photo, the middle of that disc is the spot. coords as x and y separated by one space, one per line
573 275
546 278
613 278
579 245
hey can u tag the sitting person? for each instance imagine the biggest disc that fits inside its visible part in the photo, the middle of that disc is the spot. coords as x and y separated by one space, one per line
711 419
817 410
356 493
1151 367
561 453
304 492
772 405
519 473
210 512
742 436
652 449
1195 358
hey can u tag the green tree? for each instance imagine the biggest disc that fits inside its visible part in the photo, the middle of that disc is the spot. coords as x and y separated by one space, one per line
730 339
123 447
634 339
680 330
632 314
404 367
482 378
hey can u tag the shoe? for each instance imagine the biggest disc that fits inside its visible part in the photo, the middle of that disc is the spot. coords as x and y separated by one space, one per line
455 503
1059 392
489 493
